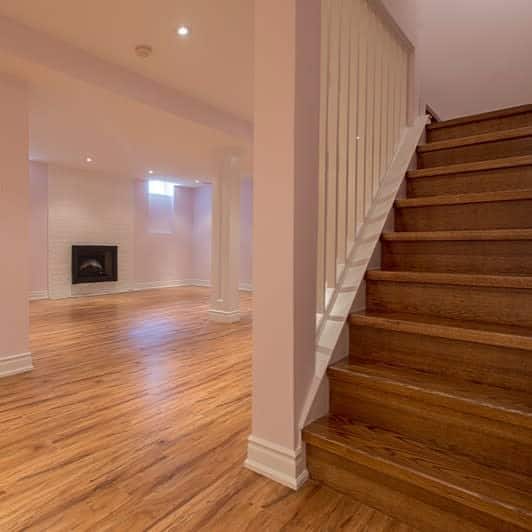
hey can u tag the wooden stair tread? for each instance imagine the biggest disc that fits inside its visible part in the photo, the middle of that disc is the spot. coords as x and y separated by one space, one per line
463 199
504 495
490 115
489 234
478 166
468 331
478 399
454 279
471 140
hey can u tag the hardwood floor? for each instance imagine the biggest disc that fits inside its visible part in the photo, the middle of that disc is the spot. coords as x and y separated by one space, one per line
136 418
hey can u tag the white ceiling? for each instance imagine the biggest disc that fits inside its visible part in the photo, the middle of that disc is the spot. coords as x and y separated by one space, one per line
71 118
214 64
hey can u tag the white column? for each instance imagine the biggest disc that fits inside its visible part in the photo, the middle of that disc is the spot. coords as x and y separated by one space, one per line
285 203
225 300
14 229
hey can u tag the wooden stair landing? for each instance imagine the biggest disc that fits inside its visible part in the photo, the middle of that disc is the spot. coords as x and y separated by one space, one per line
431 414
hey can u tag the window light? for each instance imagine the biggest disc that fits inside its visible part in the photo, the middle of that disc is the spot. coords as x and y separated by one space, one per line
161 188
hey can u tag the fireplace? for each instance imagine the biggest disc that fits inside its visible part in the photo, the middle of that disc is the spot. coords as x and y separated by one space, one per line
94 264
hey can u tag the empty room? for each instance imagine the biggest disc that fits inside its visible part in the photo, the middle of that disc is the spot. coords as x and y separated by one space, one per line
266 265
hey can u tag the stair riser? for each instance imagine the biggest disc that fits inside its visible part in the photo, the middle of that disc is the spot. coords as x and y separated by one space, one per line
481 257
480 127
404 501
487 364
470 182
487 304
488 441
476 152
516 214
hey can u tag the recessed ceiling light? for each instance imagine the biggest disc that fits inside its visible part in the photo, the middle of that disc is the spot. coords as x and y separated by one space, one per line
89 159
197 181
150 172
183 31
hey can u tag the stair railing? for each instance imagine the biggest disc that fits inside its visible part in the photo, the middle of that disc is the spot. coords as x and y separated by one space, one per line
366 65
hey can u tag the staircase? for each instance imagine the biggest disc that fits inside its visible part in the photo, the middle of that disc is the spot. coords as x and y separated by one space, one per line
431 416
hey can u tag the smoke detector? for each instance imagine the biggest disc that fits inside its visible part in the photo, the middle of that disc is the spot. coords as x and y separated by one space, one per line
143 50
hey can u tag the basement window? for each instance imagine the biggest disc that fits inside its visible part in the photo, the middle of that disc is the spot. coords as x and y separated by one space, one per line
161 188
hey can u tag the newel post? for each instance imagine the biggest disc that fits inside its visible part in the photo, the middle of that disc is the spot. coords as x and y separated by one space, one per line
285 198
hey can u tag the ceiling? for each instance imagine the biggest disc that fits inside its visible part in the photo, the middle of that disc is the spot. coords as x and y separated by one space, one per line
214 64
71 118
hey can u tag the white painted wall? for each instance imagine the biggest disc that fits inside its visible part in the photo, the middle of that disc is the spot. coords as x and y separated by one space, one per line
474 54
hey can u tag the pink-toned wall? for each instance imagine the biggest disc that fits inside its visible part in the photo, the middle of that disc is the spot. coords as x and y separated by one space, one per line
475 54
201 245
246 233
14 226
170 238
201 250
163 236
38 229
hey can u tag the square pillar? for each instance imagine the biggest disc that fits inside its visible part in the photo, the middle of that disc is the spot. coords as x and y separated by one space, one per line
14 229
225 298
285 199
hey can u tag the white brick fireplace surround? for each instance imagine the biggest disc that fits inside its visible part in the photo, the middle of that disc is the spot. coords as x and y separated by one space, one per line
84 209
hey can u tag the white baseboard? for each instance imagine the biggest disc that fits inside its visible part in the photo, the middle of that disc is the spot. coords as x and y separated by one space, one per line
224 316
15 364
278 463
245 287
150 285
38 294
198 282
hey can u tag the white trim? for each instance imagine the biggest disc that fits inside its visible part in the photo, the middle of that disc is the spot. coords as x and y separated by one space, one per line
199 282
286 466
245 287
224 316
38 294
15 364
150 285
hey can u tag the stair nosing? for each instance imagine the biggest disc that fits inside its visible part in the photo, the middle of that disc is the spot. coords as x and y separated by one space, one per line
410 475
481 117
460 403
471 167
467 235
471 140
464 199
521 282
478 336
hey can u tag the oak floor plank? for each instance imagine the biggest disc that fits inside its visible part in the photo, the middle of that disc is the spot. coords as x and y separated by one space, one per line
136 418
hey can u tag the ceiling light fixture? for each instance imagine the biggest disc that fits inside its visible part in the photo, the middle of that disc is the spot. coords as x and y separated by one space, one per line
89 159
183 31
143 50
150 172
197 181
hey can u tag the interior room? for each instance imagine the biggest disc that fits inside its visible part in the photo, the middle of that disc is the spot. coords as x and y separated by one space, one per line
266 265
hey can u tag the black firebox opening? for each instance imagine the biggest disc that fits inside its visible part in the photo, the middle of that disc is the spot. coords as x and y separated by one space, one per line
94 264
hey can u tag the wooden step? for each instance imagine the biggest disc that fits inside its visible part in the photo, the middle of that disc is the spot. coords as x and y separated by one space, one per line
511 209
425 487
477 352
506 300
508 143
502 251
509 173
511 118
492 425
